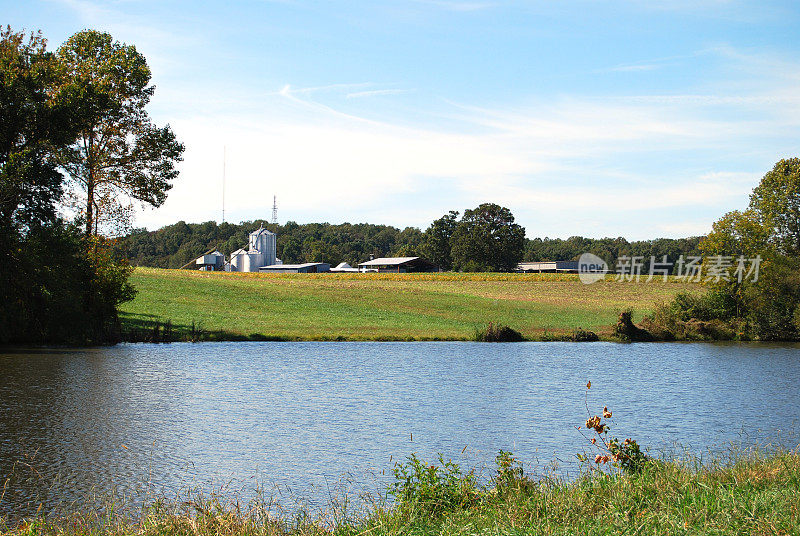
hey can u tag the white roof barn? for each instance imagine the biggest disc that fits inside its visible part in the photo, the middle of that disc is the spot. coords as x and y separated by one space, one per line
397 265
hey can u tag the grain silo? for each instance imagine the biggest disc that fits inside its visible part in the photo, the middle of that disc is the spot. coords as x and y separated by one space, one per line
261 252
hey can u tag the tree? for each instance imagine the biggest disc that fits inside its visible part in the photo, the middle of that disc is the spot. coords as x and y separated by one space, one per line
487 239
32 124
766 304
292 251
737 233
119 153
777 202
54 288
436 240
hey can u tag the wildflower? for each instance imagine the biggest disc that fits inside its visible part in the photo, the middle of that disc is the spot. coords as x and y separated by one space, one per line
598 459
593 441
606 413
589 385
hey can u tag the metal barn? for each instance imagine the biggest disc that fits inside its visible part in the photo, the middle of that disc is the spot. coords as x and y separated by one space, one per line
398 265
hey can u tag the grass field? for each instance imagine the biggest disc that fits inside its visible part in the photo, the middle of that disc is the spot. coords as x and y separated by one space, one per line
382 306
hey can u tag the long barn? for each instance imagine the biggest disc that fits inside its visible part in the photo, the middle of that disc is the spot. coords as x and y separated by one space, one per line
397 265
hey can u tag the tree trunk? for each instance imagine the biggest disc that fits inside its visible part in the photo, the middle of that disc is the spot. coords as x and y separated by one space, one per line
89 205
90 187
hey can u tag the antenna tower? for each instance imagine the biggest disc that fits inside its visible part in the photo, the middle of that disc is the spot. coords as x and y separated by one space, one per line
275 209
223 183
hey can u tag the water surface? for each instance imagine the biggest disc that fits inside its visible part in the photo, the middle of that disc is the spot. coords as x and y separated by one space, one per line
302 415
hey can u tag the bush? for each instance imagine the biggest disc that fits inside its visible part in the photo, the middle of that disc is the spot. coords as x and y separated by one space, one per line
627 331
498 333
63 290
583 335
431 490
510 477
766 309
712 305
774 300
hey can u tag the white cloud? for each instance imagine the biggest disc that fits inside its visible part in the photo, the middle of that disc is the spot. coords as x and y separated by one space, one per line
543 162
573 164
376 92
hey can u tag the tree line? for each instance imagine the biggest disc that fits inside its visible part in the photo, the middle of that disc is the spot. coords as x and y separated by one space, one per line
485 239
77 149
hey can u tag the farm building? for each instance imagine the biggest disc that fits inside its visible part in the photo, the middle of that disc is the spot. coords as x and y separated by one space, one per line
261 252
305 268
397 265
549 267
344 267
211 262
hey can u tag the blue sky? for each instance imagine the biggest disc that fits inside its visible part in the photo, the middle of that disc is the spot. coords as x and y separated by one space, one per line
618 118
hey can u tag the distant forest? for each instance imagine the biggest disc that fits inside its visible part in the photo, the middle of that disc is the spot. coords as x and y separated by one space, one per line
175 245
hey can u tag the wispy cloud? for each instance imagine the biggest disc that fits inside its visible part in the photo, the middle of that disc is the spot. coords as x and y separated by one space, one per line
288 90
598 159
455 5
576 163
376 92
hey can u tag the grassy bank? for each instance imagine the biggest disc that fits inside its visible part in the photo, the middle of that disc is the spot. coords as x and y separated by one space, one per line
225 306
751 494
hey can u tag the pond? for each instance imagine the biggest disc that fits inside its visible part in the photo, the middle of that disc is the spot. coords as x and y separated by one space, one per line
297 418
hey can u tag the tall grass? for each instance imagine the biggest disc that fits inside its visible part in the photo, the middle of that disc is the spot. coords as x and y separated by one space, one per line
747 492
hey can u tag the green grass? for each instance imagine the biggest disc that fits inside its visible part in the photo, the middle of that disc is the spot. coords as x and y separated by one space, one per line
751 494
382 306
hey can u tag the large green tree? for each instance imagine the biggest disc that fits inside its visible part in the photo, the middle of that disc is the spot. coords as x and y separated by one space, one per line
119 154
436 240
487 239
776 201
770 231
54 288
737 233
32 124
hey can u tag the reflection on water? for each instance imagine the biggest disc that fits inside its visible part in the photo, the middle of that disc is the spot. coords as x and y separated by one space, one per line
301 415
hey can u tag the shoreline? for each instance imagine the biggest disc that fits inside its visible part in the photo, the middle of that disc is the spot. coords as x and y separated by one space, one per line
750 491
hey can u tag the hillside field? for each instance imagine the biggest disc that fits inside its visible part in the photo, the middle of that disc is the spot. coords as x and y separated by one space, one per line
381 306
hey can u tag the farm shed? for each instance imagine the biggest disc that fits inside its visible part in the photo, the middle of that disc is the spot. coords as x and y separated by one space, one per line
210 262
305 268
549 267
344 267
398 265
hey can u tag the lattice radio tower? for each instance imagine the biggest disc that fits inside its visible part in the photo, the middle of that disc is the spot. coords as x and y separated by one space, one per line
275 209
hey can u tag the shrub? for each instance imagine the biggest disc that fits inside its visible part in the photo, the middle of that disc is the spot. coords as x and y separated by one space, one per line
430 489
582 335
497 333
716 304
773 301
626 330
510 477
